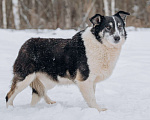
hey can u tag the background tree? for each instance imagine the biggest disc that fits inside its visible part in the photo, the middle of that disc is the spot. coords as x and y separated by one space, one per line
16 13
4 14
68 14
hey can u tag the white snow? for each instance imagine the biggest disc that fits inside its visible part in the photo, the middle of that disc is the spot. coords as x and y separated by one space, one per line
126 94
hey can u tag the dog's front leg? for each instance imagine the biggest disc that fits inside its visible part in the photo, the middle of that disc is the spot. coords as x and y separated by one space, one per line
87 90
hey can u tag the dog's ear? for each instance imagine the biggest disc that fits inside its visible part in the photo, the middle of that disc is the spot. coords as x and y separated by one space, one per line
96 19
122 15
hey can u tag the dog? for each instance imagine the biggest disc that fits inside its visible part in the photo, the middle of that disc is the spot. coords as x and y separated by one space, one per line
84 60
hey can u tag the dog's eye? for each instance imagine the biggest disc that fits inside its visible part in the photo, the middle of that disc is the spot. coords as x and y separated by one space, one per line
108 28
119 26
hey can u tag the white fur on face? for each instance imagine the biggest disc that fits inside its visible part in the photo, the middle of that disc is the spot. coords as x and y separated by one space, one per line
108 39
117 33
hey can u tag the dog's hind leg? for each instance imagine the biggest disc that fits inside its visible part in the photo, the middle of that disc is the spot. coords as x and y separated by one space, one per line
35 98
39 91
17 86
48 84
48 100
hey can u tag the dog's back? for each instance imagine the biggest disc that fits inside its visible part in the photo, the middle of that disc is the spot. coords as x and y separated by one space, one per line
52 56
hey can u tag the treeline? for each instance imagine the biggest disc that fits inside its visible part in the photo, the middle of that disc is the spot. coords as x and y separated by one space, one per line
66 14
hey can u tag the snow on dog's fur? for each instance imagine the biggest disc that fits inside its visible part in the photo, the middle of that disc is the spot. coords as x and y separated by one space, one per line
89 57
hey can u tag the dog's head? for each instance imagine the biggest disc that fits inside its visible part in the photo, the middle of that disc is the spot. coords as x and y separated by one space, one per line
110 30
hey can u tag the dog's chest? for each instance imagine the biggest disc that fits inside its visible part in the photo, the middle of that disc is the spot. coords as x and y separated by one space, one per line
101 60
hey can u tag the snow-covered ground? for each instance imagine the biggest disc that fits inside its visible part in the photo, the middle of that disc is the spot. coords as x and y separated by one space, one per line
126 94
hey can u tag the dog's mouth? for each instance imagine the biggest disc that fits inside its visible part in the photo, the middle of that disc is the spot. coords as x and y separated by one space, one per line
116 42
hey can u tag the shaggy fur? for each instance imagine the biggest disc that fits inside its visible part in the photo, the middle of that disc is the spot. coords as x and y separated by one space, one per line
89 57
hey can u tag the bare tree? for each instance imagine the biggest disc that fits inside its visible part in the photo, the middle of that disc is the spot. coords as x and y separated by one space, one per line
55 18
68 15
106 7
16 13
4 14
33 21
87 14
24 16
112 7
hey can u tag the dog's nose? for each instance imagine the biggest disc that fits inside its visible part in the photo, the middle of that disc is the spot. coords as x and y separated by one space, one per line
116 38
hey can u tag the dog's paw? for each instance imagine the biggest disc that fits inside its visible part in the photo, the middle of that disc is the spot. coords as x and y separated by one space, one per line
9 104
50 102
53 102
101 109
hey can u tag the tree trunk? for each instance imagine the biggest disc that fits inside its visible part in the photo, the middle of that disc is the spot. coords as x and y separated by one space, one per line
106 7
112 7
83 25
33 18
55 17
68 15
16 13
4 14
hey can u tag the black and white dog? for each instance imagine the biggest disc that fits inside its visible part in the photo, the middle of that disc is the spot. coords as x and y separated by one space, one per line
86 59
